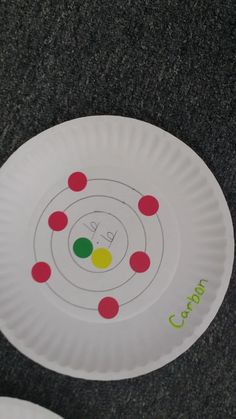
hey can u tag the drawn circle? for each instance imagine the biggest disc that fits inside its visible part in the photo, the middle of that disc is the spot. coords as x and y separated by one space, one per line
77 181
139 262
41 272
57 221
108 307
101 258
83 247
82 219
101 271
148 205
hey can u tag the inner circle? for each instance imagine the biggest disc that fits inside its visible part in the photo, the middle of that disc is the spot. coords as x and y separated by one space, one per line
108 235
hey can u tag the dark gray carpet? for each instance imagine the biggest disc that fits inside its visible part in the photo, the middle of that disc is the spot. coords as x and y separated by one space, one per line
167 62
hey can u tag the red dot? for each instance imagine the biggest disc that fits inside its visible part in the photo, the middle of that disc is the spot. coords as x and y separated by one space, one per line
41 272
57 221
139 262
108 307
148 205
77 181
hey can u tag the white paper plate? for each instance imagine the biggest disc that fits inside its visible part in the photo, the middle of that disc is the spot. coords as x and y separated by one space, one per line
20 409
135 234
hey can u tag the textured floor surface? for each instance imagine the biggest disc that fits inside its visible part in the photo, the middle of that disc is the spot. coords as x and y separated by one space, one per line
167 62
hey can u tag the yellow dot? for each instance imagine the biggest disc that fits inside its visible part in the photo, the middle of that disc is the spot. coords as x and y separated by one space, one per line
101 257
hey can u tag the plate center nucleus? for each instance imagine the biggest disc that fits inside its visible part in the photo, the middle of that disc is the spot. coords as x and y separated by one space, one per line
98 241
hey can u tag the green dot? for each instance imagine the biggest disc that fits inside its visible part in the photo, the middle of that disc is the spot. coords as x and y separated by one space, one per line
83 247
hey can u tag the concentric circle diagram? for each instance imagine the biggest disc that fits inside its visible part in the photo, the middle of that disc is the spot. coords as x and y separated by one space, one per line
98 244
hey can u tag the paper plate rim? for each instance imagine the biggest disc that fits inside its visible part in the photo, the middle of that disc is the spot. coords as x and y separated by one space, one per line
33 406
200 329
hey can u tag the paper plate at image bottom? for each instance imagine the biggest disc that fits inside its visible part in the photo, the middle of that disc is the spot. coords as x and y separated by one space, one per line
11 408
116 248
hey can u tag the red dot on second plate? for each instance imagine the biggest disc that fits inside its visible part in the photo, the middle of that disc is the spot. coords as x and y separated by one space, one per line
77 181
148 205
57 221
108 307
139 262
41 272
